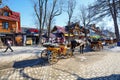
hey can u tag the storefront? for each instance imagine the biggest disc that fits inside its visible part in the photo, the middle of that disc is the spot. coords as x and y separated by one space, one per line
9 36
31 37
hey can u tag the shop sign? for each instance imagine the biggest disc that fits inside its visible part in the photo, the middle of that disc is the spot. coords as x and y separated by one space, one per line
36 34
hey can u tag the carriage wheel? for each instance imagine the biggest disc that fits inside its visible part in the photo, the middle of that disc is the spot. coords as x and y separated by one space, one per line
53 57
44 53
69 53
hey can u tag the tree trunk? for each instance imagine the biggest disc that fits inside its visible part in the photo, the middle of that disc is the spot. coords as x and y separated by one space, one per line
40 37
69 32
116 30
49 26
115 21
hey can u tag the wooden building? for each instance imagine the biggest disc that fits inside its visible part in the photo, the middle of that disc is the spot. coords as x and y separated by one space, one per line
9 24
77 30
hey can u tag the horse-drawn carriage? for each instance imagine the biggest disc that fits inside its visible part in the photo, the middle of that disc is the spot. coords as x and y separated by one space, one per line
54 52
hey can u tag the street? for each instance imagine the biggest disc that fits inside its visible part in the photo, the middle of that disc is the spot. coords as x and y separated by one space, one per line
25 64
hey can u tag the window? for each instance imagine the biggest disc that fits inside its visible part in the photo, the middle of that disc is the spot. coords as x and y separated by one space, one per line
5 25
6 13
76 32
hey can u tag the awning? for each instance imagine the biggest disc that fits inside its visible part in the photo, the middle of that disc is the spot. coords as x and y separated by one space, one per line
66 34
95 36
34 30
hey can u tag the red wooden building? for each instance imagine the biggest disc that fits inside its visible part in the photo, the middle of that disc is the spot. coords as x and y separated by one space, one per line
9 24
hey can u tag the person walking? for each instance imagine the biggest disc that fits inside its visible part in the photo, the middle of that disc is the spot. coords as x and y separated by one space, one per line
8 44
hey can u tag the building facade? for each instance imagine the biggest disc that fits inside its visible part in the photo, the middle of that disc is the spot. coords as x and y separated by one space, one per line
10 27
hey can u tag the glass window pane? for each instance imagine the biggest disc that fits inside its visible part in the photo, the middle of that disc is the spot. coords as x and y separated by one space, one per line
6 13
5 25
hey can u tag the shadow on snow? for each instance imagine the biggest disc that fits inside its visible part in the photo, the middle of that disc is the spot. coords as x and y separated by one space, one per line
110 77
30 63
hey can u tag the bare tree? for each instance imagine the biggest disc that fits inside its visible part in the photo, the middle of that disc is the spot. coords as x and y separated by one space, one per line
85 15
40 8
3 3
102 8
70 9
46 11
55 9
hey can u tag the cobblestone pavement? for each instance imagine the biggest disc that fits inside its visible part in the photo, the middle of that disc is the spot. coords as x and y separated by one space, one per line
103 65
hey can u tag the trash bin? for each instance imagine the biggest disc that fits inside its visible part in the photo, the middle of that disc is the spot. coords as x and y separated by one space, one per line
118 43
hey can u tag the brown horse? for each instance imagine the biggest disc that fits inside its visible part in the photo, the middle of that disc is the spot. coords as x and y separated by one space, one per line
108 42
96 45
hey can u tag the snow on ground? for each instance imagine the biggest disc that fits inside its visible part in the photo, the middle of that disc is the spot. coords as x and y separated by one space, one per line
20 53
114 49
30 51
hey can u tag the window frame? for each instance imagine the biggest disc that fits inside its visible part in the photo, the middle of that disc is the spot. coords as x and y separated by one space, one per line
5 25
6 13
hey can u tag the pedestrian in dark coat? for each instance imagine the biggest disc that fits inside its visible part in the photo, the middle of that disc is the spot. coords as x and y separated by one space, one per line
8 44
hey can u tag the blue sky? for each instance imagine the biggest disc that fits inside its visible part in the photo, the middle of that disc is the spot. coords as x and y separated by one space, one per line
25 7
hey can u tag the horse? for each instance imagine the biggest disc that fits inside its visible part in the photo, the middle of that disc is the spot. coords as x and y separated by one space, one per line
109 42
77 43
96 45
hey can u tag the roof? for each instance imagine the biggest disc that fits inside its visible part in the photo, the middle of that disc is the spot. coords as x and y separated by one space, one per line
61 29
71 27
58 29
6 8
33 30
14 16
8 18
